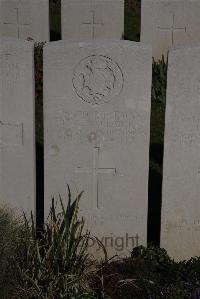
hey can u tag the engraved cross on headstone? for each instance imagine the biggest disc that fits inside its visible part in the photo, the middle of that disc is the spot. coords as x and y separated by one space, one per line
95 171
92 23
172 29
17 23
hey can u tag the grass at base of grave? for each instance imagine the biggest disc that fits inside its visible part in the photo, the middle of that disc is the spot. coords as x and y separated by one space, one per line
151 274
39 267
52 263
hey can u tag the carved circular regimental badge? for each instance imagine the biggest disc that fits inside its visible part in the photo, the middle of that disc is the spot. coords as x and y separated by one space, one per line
97 79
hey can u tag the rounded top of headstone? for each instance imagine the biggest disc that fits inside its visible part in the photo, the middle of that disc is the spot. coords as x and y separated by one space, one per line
103 43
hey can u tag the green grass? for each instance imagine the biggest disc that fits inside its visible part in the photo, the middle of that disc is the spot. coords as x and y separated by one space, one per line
11 231
151 274
54 263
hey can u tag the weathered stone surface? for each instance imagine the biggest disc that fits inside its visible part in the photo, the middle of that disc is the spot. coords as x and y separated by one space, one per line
97 115
92 19
25 19
17 156
180 233
167 23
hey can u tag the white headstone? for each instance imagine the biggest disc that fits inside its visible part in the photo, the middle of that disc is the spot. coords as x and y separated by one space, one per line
24 19
17 156
97 112
92 19
167 23
180 233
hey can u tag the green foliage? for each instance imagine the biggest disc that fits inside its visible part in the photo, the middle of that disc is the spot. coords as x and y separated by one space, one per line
159 85
158 99
38 54
52 264
159 80
57 264
11 234
151 273
154 255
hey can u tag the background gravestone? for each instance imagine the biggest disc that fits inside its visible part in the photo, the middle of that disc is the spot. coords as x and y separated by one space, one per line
97 120
25 19
166 23
180 233
86 19
17 157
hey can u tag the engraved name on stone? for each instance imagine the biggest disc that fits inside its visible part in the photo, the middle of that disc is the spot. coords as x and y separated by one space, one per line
95 127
